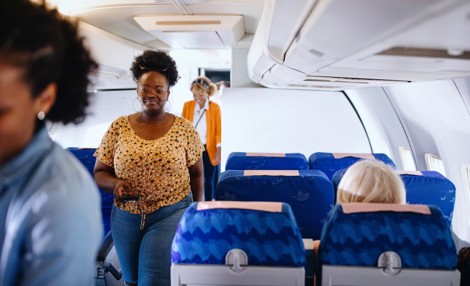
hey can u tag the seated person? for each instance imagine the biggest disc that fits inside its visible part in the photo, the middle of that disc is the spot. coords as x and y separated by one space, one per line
369 181
464 265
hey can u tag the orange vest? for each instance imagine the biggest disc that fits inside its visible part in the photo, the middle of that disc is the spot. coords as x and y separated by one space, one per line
213 123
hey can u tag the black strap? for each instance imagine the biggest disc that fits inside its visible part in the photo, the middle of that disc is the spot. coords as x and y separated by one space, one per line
195 126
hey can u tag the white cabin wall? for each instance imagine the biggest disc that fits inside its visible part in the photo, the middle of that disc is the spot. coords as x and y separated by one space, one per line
105 106
287 121
438 122
239 70
463 85
383 126
114 56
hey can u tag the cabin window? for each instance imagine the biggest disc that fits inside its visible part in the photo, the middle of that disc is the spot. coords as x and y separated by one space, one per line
434 163
407 160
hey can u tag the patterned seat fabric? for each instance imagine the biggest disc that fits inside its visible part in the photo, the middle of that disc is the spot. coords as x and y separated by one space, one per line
423 241
85 155
329 163
431 188
309 194
268 238
266 161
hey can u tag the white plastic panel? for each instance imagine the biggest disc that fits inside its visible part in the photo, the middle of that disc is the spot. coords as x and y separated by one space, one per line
367 276
437 121
216 275
105 107
114 62
286 121
279 34
382 123
339 28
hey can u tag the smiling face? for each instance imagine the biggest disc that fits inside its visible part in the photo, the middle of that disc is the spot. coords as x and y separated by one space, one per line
153 92
200 95
18 111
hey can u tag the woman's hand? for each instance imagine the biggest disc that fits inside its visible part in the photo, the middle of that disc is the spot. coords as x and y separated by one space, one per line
122 189
218 155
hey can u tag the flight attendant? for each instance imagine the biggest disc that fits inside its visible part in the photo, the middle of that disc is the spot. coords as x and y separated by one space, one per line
206 118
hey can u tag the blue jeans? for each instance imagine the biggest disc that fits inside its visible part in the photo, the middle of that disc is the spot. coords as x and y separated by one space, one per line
145 255
211 176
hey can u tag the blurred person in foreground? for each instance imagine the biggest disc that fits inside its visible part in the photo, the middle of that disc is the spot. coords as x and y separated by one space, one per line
50 217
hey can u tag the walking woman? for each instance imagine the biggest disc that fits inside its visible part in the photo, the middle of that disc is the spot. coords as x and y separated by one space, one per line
206 118
151 162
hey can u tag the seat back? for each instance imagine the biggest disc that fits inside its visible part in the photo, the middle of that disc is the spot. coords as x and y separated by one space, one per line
329 163
308 192
85 155
430 188
237 243
266 161
383 243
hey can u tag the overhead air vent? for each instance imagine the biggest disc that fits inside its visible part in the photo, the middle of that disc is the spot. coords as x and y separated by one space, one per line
194 31
110 72
317 87
349 81
108 77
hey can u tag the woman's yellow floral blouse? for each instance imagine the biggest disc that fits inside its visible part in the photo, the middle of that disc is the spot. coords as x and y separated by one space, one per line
157 170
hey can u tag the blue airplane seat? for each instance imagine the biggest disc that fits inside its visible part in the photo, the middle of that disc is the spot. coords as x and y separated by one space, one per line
308 192
266 161
336 178
237 243
85 155
386 244
430 188
329 163
108 267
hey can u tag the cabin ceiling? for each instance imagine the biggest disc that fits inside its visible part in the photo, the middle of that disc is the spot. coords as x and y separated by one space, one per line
302 44
165 24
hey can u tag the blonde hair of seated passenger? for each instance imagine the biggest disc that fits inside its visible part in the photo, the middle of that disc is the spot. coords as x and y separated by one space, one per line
371 181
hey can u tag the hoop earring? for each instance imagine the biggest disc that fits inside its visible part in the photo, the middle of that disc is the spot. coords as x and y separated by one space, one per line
41 115
133 105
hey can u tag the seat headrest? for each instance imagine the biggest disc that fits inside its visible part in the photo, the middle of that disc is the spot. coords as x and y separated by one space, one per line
266 161
329 163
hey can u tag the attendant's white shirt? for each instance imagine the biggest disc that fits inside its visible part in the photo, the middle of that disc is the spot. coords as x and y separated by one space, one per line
201 126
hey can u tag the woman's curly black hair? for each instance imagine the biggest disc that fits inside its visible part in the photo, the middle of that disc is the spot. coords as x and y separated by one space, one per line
158 61
50 50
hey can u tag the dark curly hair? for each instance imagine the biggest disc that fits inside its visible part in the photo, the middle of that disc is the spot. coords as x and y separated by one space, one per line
49 49
158 61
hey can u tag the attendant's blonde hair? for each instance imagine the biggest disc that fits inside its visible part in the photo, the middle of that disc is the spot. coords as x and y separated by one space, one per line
371 181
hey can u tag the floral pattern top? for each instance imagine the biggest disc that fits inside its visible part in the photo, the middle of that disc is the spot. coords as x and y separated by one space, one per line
157 170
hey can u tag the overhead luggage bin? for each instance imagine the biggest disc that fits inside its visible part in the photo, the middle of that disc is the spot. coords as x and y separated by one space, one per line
339 44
